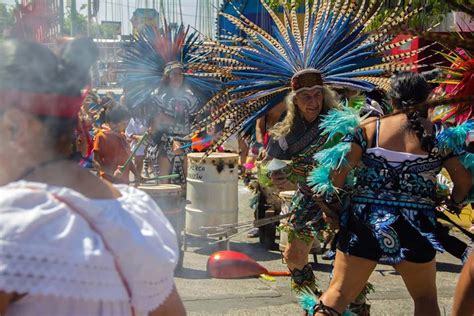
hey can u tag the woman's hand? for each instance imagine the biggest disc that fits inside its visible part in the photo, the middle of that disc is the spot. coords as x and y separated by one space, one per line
118 172
176 147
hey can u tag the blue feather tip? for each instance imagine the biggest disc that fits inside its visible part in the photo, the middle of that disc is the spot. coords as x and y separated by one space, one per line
308 301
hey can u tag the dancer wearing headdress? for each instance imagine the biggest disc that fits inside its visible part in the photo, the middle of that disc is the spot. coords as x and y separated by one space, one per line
330 50
159 74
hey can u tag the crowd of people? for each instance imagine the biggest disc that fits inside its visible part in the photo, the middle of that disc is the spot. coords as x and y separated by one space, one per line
371 149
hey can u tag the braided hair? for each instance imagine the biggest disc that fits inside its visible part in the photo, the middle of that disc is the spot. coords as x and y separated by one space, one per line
408 89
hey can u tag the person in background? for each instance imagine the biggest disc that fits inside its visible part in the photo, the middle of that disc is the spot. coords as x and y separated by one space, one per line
135 130
111 149
86 247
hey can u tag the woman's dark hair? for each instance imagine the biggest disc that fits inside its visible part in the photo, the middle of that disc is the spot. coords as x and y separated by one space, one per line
32 68
407 90
117 114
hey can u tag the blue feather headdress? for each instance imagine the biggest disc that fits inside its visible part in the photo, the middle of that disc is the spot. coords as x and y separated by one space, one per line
154 53
332 42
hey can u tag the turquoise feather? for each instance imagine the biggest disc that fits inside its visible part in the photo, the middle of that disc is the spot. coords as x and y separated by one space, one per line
454 137
307 302
320 181
333 157
340 121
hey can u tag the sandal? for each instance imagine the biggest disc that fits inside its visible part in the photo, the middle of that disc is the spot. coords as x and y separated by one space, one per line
326 310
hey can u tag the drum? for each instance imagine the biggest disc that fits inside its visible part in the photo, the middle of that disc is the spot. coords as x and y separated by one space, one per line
212 190
168 197
286 197
170 200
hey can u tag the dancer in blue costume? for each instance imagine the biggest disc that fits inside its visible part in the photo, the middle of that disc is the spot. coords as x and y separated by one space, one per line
390 203
161 75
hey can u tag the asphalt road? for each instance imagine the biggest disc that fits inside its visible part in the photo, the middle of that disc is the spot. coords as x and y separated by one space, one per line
253 296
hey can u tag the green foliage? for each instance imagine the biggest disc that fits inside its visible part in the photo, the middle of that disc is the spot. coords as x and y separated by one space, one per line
434 14
7 19
422 21
274 4
97 30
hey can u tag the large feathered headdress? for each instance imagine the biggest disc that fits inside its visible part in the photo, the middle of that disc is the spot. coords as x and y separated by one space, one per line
156 52
332 42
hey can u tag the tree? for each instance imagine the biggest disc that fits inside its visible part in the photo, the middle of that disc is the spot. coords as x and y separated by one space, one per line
7 19
97 30
436 10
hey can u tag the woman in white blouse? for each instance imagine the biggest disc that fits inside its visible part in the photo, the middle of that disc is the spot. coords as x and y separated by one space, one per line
70 243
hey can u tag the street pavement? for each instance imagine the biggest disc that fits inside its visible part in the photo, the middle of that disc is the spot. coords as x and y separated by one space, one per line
203 295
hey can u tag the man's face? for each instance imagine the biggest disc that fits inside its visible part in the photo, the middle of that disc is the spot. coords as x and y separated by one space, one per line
176 78
310 103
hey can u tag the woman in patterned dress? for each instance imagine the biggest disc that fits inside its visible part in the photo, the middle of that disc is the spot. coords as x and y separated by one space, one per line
391 217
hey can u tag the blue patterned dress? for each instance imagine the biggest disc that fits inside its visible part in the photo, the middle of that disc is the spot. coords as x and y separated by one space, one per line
391 216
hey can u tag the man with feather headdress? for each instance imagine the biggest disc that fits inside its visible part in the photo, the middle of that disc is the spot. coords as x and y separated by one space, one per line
159 75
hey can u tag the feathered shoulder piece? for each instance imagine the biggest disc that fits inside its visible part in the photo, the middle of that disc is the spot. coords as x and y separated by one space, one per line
454 139
331 40
335 123
340 121
156 52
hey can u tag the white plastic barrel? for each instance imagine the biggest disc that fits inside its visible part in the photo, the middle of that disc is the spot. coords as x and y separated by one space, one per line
212 189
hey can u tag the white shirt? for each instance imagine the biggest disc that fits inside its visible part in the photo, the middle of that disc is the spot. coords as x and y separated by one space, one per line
51 252
136 127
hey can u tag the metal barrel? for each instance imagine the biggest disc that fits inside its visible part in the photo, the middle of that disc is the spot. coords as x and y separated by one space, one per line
212 190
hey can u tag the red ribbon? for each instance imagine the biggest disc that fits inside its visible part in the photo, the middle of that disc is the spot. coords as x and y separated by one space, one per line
42 104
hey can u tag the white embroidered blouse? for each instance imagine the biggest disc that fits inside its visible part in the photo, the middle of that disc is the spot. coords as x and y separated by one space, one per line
50 252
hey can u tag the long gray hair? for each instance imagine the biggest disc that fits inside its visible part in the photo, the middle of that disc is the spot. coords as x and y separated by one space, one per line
281 129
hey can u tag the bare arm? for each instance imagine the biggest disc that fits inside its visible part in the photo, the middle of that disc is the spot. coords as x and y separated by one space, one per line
463 297
461 177
5 300
259 128
172 306
338 177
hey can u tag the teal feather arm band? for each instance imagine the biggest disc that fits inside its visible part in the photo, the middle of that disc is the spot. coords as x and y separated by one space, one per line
340 121
454 138
337 122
